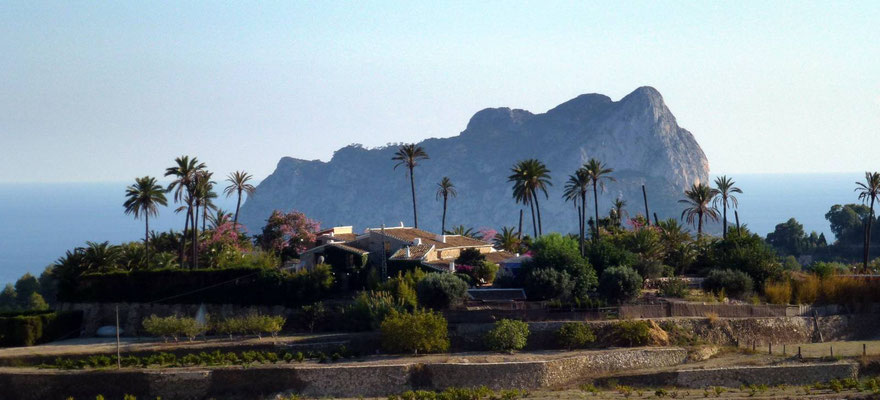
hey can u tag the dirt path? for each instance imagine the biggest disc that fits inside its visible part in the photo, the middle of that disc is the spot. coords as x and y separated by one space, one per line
84 346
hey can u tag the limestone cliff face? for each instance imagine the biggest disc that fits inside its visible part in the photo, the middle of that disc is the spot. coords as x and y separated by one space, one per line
637 136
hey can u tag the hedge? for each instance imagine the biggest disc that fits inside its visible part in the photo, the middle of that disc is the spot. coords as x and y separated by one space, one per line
245 286
30 328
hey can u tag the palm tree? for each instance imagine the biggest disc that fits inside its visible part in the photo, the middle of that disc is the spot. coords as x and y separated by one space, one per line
238 184
869 190
143 198
598 173
184 171
100 257
618 209
462 231
698 199
219 217
507 239
529 177
724 191
445 189
576 191
409 156
203 194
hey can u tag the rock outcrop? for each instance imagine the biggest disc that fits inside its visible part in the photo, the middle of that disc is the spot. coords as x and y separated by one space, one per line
637 136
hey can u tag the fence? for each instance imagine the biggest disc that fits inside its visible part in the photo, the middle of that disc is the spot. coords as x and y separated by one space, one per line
536 312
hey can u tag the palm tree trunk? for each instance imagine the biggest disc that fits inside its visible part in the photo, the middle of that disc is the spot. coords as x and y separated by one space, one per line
699 225
581 229
596 204
534 224
519 232
237 207
183 237
647 214
443 224
583 223
195 238
412 185
147 238
538 210
868 235
204 217
724 203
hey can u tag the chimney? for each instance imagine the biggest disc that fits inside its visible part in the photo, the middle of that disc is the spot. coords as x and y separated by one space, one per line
332 233
452 266
401 224
408 255
441 238
417 241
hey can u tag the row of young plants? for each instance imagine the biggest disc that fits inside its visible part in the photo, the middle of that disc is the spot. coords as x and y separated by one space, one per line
425 331
452 393
175 327
871 385
215 358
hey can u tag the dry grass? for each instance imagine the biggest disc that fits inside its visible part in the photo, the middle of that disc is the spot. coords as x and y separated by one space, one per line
778 293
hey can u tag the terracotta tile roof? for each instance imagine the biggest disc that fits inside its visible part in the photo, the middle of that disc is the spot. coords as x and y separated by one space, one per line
348 248
345 237
498 256
410 234
415 252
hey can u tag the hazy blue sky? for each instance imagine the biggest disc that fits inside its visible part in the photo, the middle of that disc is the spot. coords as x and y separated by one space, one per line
105 91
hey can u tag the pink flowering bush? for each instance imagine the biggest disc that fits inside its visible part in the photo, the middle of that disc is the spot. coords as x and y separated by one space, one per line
288 234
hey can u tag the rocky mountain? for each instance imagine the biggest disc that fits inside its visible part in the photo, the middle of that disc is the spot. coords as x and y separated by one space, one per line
637 136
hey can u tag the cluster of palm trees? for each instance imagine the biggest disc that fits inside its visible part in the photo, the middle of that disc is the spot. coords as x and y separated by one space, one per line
193 188
701 202
531 178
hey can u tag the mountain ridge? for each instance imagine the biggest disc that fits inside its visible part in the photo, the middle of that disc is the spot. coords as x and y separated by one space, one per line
637 135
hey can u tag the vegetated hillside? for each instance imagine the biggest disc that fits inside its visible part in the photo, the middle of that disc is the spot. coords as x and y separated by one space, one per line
637 136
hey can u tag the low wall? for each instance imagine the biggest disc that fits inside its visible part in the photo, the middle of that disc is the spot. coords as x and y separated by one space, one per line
793 374
321 381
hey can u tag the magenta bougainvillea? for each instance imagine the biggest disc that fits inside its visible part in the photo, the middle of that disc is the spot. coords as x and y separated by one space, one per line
487 234
285 231
223 236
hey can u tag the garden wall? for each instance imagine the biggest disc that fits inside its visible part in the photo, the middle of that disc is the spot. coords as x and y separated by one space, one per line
792 374
321 381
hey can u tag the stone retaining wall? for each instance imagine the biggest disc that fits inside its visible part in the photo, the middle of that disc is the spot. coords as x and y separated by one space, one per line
792 374
320 381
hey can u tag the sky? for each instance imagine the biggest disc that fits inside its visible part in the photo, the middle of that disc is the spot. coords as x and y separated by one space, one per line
106 91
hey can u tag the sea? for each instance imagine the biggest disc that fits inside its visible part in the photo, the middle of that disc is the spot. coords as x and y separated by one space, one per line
40 221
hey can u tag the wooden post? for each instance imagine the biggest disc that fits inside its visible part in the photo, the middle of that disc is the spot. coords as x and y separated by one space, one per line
783 349
118 352
799 352
770 348
864 349
754 345
832 350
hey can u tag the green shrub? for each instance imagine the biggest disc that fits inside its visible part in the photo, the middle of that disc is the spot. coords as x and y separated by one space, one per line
420 331
508 335
631 333
369 309
575 335
620 284
173 326
35 327
673 287
734 283
243 286
251 324
441 290
548 284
